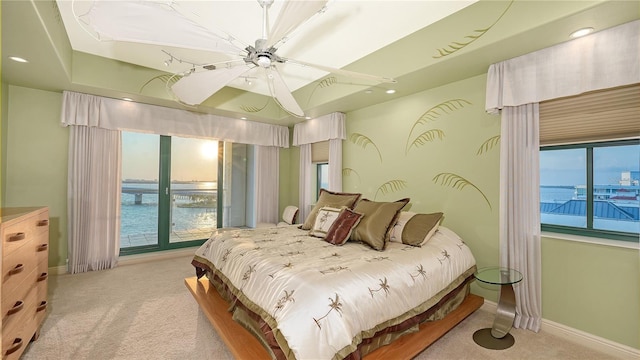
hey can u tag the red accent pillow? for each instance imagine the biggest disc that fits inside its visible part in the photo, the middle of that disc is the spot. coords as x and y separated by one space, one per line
342 227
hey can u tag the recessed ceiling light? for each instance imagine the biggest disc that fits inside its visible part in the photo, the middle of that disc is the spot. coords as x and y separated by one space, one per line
18 59
390 91
307 117
243 118
581 32
127 99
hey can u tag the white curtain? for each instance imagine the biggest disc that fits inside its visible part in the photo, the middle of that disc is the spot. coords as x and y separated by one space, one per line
305 181
520 209
602 60
267 184
515 87
335 165
330 127
113 114
93 199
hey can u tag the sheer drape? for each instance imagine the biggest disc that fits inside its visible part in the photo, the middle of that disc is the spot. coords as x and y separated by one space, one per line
520 209
93 198
335 165
602 60
329 127
305 181
267 184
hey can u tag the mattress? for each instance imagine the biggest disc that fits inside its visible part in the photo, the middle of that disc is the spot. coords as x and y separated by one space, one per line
321 301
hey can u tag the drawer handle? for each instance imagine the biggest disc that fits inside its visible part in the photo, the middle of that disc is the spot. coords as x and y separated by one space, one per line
44 222
17 307
42 276
17 236
17 344
42 306
16 270
42 247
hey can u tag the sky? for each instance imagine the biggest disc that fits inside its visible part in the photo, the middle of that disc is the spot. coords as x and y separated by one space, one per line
192 159
568 167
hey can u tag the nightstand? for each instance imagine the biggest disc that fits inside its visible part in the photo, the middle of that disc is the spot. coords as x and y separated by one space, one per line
498 337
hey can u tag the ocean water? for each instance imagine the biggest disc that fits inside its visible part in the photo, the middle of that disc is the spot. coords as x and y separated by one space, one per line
142 218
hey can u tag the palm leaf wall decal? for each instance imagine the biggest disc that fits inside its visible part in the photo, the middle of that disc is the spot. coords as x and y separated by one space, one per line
426 137
363 141
390 187
324 83
254 109
349 171
455 46
168 79
488 145
435 112
457 182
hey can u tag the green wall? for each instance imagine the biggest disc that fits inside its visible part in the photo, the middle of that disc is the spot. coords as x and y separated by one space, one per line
588 287
591 287
35 163
454 168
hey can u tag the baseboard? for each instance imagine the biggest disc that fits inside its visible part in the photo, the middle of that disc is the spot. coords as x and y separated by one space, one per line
580 337
138 258
58 270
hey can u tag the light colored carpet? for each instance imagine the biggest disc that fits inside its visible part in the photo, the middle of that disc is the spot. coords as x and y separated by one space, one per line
144 311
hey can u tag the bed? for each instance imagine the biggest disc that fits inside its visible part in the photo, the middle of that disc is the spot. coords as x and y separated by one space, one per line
301 295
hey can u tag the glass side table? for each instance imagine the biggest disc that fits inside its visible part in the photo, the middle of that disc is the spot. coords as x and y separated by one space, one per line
498 337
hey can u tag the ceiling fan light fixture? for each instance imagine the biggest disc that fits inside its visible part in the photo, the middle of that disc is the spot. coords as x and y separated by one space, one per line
264 61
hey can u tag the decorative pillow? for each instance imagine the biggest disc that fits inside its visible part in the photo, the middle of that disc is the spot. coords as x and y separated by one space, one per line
331 199
378 220
420 228
326 216
342 228
396 232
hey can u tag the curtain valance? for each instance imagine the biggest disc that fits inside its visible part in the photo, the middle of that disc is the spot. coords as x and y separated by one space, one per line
605 59
331 126
114 114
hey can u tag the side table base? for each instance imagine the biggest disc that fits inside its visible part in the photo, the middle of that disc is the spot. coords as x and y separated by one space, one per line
484 338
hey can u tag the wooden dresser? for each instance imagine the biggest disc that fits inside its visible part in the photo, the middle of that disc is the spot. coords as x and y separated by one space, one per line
24 261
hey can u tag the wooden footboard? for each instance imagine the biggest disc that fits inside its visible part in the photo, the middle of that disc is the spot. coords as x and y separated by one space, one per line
243 345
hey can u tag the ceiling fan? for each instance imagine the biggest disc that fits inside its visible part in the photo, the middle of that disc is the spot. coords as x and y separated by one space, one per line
159 23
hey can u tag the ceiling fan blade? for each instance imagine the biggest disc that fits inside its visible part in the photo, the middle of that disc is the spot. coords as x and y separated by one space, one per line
154 23
198 87
352 74
281 93
292 14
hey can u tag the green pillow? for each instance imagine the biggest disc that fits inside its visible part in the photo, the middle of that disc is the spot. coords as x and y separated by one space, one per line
420 228
377 222
331 199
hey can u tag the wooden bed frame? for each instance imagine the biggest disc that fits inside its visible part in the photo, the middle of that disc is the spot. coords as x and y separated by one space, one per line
243 345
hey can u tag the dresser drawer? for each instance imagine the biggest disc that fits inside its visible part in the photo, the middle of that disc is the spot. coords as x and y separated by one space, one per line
15 342
17 267
18 234
15 318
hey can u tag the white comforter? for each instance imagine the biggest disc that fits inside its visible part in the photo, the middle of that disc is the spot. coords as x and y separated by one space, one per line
324 298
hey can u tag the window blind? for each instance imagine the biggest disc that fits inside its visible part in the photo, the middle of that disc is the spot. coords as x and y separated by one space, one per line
609 114
320 152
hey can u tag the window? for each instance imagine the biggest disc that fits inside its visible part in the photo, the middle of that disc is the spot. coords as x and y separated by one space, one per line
322 177
591 189
176 191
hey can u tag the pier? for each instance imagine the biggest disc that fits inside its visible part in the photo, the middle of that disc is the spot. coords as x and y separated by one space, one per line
186 194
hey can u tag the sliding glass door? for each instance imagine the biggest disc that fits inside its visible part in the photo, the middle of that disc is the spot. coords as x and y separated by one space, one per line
177 191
